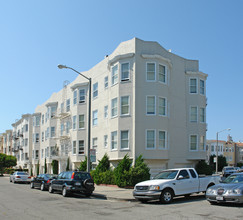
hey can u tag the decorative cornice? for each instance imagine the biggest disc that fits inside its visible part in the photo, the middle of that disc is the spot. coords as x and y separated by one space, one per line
51 104
120 57
197 73
156 56
77 85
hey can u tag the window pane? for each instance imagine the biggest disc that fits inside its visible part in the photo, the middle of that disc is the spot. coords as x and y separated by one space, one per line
114 107
81 95
125 105
124 140
125 71
150 71
150 139
162 73
193 142
193 85
162 106
114 75
150 105
162 140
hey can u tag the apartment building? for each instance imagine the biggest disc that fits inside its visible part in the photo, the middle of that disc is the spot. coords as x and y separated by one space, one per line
7 142
1 143
22 141
239 152
145 100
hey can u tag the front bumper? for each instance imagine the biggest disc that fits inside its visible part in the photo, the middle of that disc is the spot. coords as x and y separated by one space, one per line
148 195
225 199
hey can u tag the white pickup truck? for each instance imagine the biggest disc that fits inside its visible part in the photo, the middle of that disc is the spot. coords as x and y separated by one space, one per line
173 182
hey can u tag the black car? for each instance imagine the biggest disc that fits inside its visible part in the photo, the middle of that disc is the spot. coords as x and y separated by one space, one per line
42 181
73 181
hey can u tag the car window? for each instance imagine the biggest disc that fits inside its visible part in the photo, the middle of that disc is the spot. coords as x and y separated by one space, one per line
184 173
22 173
60 176
193 174
81 176
168 174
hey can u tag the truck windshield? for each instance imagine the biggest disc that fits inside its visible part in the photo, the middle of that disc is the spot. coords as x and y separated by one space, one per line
168 174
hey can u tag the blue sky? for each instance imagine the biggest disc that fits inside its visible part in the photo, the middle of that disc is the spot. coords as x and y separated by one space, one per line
38 35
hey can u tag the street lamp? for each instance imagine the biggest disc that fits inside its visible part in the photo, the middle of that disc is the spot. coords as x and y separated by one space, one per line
89 112
217 136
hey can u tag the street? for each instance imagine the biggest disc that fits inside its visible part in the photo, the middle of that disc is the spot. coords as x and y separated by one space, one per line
18 201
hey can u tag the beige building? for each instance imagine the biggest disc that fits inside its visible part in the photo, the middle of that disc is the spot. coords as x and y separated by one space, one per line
145 100
22 141
7 142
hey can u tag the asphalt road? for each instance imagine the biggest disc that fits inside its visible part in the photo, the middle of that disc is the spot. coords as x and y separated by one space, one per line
18 201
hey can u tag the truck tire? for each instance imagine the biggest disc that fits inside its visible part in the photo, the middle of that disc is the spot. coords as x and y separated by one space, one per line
166 196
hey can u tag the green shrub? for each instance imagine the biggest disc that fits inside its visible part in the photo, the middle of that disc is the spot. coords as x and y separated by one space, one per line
55 166
83 165
121 172
203 168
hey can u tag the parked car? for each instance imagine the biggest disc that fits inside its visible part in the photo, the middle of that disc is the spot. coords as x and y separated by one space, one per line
228 171
174 182
229 191
73 181
42 181
20 177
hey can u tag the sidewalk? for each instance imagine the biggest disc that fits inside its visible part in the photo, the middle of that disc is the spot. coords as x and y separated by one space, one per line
113 193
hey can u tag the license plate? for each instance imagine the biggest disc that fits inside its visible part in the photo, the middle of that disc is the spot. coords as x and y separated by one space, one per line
78 184
220 198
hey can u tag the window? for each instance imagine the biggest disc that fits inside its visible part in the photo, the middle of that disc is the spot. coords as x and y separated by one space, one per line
62 107
114 107
124 140
193 142
150 105
37 154
75 97
53 111
81 147
124 71
95 90
74 122
95 143
37 138
162 74
48 132
106 82
53 132
105 141
106 111
202 143
81 95
81 122
202 87
37 121
193 86
95 117
42 136
193 114
114 140
114 75
74 147
193 174
68 105
212 148
184 173
151 72
42 119
202 115
162 139
67 127
62 129
150 139
162 106
125 105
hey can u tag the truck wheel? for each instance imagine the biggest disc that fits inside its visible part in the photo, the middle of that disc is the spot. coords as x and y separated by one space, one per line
166 196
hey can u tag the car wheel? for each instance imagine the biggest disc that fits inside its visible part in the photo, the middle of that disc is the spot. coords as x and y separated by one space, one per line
32 185
50 189
166 196
42 187
64 192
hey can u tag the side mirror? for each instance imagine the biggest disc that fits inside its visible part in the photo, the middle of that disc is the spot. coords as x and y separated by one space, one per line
180 177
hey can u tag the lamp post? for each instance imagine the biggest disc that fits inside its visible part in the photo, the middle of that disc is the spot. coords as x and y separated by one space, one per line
89 112
217 138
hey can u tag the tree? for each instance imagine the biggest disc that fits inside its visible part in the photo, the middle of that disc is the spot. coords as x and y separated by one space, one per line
7 161
45 167
121 172
55 166
38 168
67 167
221 162
203 168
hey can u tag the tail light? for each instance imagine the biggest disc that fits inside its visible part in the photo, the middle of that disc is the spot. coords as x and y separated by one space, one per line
29 177
48 181
18 177
72 177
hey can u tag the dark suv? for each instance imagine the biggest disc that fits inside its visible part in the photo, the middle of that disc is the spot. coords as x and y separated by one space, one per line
73 181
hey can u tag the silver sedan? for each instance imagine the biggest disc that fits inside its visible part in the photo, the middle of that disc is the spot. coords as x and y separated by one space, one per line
20 177
228 191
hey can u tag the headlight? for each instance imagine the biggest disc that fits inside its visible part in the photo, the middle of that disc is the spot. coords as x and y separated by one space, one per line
154 188
211 191
234 191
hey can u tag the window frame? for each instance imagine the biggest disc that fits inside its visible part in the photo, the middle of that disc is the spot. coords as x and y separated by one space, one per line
202 88
95 90
164 107
121 140
154 139
95 117
165 74
114 76
114 141
81 101
121 106
191 114
190 85
114 107
148 80
149 96
190 143
165 140
121 72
